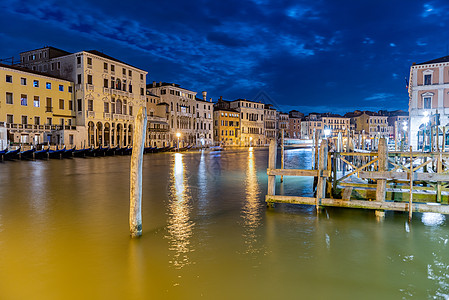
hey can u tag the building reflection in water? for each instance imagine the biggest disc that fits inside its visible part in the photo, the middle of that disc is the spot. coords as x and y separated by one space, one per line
202 185
180 226
251 214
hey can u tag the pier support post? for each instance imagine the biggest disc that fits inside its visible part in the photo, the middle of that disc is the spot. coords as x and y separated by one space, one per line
383 166
135 203
282 154
322 165
272 165
410 202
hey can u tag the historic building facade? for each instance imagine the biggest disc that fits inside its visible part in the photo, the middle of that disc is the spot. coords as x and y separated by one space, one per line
182 111
204 121
107 91
251 122
157 125
35 108
428 99
270 123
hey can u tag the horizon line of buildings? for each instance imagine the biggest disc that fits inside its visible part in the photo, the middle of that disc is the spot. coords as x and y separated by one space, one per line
89 99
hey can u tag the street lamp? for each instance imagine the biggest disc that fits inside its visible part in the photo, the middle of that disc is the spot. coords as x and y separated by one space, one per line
250 141
178 134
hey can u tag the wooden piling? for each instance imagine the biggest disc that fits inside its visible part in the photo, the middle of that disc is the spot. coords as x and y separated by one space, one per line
443 144
382 167
410 208
272 165
282 154
439 171
135 214
321 186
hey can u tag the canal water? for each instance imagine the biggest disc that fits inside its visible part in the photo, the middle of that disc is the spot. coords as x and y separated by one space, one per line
206 234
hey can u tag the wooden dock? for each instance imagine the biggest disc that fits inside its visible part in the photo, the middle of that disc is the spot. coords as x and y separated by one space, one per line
381 180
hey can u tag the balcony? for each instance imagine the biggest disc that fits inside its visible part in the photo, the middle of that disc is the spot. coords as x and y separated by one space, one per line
91 114
106 90
107 115
89 87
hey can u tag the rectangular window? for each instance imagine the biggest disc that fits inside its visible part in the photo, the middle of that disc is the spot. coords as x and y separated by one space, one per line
90 105
61 88
8 98
79 105
105 83
49 122
48 108
141 76
48 85
130 73
78 60
23 81
24 120
163 92
89 79
130 110
23 100
70 89
427 103
124 71
37 120
61 103
59 65
10 119
89 61
36 101
9 78
112 68
427 79
70 105
141 91
106 107
105 66
78 79
36 83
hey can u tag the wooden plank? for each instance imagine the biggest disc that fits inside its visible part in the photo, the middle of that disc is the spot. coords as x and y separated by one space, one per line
346 195
321 186
297 172
387 205
357 154
358 169
388 175
382 166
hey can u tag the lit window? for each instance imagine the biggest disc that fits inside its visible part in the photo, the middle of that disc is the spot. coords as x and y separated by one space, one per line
23 100
61 88
36 102
48 85
36 83
23 81
427 103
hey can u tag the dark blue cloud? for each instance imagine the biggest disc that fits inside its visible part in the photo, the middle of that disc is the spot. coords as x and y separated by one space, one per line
313 55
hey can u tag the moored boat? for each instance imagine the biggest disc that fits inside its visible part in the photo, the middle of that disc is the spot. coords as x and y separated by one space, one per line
57 154
41 154
27 154
12 154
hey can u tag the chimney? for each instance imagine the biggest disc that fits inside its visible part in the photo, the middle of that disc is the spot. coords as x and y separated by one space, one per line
154 83
204 95
210 100
221 99
160 83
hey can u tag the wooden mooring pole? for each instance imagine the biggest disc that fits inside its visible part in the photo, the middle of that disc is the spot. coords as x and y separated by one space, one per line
381 188
282 154
135 201
272 152
410 208
322 165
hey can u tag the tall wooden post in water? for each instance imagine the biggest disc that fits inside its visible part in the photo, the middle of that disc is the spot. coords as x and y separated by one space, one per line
382 151
322 166
282 154
272 165
135 200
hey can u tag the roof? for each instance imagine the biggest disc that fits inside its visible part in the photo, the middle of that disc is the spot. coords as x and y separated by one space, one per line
437 60
151 94
166 84
246 101
199 99
31 71
47 47
225 109
101 54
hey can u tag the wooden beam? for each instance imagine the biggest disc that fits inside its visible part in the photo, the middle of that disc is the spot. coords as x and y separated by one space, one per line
387 205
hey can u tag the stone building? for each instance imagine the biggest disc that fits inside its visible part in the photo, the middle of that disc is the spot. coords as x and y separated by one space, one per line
108 92
204 121
311 124
36 108
294 124
270 116
334 124
283 124
157 125
428 100
182 111
252 127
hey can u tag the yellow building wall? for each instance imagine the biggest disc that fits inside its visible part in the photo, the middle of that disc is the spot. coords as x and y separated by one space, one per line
30 110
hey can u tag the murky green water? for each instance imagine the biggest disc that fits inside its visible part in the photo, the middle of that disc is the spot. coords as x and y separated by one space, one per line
206 234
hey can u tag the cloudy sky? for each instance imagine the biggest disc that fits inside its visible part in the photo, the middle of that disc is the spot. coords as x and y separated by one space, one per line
321 55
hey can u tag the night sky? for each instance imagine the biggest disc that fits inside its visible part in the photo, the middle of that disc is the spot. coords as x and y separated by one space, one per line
321 55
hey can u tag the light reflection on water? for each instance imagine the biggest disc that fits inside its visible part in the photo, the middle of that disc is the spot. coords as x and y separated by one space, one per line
180 226
250 212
